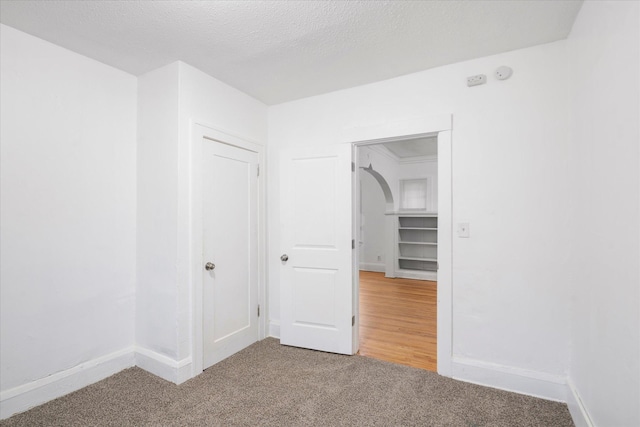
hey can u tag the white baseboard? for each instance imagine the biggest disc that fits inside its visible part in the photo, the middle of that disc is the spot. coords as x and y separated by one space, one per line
371 266
577 409
176 371
523 381
21 398
274 328
416 274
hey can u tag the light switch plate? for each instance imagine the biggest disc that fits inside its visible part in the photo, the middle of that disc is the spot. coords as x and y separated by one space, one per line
463 229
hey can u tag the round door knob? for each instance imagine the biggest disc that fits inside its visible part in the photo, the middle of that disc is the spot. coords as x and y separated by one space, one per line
284 258
209 266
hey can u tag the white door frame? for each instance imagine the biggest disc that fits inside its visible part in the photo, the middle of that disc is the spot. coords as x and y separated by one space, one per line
409 129
199 132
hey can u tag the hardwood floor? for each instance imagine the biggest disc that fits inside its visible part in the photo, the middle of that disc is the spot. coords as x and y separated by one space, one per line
398 320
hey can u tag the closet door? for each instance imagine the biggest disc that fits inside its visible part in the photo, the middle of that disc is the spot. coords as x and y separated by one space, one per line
230 250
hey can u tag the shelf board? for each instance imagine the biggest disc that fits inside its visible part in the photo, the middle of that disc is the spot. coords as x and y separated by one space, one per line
418 228
429 273
409 258
414 214
419 243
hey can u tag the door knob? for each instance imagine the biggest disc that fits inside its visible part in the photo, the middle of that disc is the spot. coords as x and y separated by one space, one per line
284 258
209 266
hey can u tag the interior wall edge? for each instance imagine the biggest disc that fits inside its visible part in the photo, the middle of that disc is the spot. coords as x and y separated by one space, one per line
274 329
175 371
578 411
26 396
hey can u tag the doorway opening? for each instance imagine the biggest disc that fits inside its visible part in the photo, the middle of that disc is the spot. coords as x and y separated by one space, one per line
397 250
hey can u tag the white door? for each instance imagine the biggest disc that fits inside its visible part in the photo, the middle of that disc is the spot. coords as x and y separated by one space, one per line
316 285
230 246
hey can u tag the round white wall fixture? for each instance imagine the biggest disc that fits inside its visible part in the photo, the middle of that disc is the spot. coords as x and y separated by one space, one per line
503 73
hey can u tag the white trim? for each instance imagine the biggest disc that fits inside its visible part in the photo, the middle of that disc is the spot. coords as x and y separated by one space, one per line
372 266
397 129
274 329
441 126
176 371
200 130
416 274
420 159
517 380
23 397
384 151
577 409
445 254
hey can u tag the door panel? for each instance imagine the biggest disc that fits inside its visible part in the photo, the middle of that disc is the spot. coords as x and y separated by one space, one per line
316 287
230 242
313 295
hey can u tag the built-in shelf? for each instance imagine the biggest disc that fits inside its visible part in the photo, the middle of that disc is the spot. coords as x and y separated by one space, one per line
417 228
417 245
417 259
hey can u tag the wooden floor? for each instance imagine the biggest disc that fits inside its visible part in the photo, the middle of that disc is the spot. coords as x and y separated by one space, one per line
398 320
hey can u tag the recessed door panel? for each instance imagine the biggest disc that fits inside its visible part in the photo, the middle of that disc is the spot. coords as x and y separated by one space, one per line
314 191
314 293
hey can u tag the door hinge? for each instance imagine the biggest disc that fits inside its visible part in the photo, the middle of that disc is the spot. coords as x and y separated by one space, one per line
353 167
353 243
353 320
258 310
258 170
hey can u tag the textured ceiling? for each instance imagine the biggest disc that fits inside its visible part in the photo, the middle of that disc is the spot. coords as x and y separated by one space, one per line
278 51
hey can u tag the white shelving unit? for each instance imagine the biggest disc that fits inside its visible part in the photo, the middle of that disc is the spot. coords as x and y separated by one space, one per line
417 245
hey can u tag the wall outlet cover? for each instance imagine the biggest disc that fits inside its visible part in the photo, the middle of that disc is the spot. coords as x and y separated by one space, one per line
478 79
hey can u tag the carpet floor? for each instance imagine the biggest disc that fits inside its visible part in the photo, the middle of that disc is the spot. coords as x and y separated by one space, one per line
272 385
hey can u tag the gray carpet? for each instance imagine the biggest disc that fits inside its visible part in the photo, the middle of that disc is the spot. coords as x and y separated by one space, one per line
272 385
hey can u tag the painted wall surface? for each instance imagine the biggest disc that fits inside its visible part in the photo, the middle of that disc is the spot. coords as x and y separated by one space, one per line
604 48
385 166
510 286
157 229
373 247
68 209
171 98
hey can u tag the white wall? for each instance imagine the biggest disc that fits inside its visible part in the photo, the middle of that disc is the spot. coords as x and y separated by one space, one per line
157 229
170 100
510 285
604 48
68 209
373 250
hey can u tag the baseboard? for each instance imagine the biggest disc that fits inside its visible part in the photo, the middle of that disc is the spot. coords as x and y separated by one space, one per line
274 328
577 409
175 371
416 274
371 266
21 398
523 381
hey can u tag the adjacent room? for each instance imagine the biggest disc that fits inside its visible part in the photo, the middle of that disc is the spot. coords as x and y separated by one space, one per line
398 251
320 213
